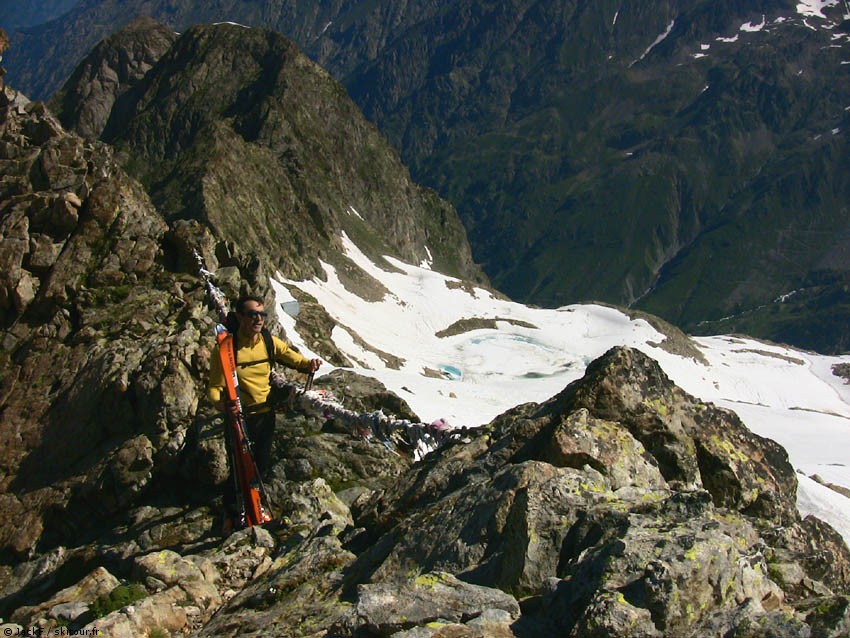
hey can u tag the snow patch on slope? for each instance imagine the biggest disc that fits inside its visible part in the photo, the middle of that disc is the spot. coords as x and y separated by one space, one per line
814 8
657 41
469 356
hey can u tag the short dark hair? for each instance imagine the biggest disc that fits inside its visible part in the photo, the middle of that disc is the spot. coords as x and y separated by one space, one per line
240 303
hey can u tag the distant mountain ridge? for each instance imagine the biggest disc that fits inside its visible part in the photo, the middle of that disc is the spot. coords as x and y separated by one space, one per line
15 14
683 158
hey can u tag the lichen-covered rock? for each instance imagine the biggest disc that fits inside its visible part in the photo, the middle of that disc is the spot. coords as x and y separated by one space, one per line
242 557
163 611
694 560
583 440
828 616
166 567
561 504
692 443
387 608
609 613
97 583
310 505
597 500
297 594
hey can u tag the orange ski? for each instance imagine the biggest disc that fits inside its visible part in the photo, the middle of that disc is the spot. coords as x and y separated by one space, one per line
250 493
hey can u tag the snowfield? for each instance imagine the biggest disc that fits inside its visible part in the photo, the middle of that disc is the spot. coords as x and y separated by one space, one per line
472 371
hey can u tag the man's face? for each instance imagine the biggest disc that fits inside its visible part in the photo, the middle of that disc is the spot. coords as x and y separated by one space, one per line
252 318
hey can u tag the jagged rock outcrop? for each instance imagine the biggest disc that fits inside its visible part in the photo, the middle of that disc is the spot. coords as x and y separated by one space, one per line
113 67
622 506
96 360
105 346
105 338
386 609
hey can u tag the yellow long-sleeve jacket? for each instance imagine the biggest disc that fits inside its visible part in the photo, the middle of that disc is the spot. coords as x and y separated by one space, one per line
253 377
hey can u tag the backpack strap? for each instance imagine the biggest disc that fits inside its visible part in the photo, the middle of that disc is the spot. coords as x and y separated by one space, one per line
267 339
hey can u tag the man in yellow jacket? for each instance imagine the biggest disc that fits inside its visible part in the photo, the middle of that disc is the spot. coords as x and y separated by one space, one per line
253 368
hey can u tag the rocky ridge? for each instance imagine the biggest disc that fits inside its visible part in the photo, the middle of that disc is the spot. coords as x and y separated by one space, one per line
622 506
114 66
105 337
100 305
236 128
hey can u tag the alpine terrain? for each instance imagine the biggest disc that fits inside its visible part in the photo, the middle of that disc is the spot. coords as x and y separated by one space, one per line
463 465
681 158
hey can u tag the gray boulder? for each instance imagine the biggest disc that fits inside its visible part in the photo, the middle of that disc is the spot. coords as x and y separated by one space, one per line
387 608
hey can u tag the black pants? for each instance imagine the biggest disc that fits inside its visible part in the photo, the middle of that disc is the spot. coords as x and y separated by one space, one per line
260 430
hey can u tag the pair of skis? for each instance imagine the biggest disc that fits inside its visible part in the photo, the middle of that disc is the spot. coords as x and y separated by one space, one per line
251 498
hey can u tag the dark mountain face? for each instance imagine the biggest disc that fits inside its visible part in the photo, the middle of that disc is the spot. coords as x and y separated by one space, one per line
684 160
114 65
680 157
16 15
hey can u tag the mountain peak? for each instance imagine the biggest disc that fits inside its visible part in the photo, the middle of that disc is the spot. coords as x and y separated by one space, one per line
234 126
113 67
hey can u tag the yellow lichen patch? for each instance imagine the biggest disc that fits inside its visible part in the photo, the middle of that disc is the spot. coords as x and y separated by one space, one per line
595 488
427 580
729 449
658 406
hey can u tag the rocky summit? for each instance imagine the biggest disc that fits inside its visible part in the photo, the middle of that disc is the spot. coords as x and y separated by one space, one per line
621 507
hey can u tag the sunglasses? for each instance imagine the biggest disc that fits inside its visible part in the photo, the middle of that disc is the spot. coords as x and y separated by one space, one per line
255 313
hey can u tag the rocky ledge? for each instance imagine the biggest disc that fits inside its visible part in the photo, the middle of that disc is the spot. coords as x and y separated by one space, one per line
621 507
